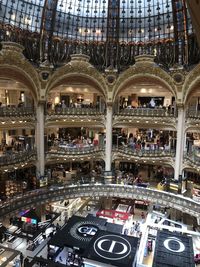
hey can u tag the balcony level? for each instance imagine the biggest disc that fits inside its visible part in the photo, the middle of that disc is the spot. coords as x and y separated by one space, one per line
150 156
156 117
75 116
41 196
17 117
66 153
192 161
192 119
15 160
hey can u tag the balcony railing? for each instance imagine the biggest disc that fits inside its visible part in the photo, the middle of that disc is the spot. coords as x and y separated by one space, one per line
52 194
193 114
193 158
158 152
148 112
74 111
17 157
75 150
16 112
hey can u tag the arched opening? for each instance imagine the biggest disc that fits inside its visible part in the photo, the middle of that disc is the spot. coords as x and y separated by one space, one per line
75 95
140 103
17 125
192 102
139 91
79 102
17 76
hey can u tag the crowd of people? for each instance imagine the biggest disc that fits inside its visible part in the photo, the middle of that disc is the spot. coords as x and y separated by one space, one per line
15 145
153 103
147 140
67 140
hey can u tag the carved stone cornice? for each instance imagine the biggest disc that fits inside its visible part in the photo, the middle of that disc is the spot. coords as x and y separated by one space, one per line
11 46
144 59
180 105
80 57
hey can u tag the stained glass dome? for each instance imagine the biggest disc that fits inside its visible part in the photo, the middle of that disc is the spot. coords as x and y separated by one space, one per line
121 29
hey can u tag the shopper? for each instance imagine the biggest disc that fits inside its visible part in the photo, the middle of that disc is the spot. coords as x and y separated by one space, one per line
21 259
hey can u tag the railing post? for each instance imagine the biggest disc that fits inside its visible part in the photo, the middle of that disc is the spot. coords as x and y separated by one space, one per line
40 139
108 148
108 139
180 142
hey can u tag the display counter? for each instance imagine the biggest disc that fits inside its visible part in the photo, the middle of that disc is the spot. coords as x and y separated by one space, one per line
13 241
35 243
9 257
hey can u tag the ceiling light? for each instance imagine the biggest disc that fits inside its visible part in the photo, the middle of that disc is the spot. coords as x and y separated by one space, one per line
143 90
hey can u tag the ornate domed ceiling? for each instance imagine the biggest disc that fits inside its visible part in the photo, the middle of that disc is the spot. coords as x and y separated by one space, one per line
131 20
141 25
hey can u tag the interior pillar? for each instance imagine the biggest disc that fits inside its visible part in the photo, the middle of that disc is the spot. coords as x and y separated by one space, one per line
40 140
108 149
180 142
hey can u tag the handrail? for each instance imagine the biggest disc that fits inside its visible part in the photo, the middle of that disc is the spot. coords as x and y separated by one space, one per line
191 113
74 149
74 111
146 153
149 112
42 196
16 111
17 157
192 157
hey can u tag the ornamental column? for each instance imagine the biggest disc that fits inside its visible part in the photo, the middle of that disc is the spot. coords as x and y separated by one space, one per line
108 149
40 139
180 142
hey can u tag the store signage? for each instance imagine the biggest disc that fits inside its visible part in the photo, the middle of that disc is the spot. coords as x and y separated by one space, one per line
112 247
171 240
87 230
84 230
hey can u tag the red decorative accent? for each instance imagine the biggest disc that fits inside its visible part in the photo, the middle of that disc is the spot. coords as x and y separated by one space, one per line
113 214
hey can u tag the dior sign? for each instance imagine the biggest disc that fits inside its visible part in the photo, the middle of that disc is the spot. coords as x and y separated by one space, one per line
168 244
87 230
112 247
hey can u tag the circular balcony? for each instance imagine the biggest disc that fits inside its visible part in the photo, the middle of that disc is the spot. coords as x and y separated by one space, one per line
68 153
10 160
42 196
147 112
158 155
144 117
16 112
17 116
89 116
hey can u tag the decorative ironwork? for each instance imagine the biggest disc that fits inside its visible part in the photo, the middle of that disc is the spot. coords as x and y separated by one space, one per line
112 32
19 157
